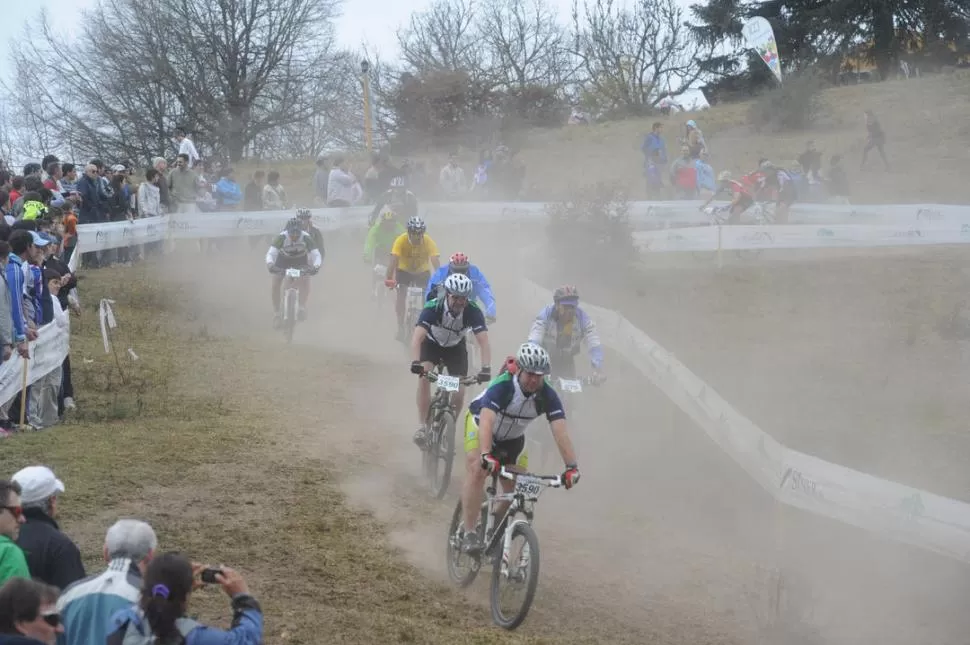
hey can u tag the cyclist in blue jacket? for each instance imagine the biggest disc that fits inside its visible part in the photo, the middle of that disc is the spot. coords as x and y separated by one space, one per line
458 263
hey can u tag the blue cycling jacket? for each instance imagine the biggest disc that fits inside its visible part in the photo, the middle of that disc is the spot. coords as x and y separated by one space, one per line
482 290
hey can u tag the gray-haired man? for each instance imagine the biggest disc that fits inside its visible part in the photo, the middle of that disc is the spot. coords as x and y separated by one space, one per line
86 606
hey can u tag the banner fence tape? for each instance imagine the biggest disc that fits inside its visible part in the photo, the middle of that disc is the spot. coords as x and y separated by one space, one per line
900 512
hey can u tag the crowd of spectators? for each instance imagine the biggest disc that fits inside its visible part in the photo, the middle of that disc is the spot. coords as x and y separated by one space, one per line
691 175
141 597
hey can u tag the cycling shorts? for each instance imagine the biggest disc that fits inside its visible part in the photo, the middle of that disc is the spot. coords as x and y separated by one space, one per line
507 452
455 358
405 279
292 261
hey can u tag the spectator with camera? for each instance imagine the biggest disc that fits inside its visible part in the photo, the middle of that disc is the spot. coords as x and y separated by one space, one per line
159 617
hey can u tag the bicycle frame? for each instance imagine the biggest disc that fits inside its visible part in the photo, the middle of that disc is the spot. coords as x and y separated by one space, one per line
290 288
528 487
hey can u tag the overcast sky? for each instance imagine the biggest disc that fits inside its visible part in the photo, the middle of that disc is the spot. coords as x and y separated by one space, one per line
373 22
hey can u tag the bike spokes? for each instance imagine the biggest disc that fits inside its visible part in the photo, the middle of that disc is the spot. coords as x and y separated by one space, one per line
515 577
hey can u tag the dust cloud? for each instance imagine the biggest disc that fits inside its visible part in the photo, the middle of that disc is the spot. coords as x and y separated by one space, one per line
665 539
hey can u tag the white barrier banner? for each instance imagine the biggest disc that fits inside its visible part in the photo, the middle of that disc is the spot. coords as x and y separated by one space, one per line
890 509
46 354
795 236
99 237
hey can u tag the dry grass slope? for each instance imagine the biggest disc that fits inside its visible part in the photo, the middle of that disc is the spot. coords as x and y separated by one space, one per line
926 121
191 441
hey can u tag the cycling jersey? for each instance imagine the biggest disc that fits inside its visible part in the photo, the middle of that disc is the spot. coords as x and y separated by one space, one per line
414 258
482 290
514 409
557 336
734 187
381 236
447 330
293 252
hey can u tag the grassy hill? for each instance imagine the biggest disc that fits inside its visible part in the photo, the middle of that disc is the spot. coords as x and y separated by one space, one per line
926 120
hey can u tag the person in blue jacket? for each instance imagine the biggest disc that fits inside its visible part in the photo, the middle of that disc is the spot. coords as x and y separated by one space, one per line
159 617
458 263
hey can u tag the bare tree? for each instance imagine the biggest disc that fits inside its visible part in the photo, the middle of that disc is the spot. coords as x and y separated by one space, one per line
526 44
442 38
228 70
632 57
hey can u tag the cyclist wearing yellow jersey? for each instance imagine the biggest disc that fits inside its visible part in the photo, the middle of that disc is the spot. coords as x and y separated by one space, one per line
413 256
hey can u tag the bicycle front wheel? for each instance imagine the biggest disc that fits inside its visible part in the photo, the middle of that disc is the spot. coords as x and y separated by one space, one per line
515 577
441 454
289 317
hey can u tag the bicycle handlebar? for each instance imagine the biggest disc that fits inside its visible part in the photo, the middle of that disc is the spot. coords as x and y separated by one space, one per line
467 380
552 481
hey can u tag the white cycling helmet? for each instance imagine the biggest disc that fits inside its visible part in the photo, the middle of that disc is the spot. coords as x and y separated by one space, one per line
458 284
532 358
416 225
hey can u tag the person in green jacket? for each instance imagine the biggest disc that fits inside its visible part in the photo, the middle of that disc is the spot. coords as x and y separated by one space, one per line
381 236
13 564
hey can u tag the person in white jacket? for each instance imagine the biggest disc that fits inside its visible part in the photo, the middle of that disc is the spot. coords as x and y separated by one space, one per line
343 188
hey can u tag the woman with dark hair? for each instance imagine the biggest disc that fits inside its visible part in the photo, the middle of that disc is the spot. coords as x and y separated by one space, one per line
28 615
159 618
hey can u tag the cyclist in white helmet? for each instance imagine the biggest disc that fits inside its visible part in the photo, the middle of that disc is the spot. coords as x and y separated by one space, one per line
495 426
439 336
400 200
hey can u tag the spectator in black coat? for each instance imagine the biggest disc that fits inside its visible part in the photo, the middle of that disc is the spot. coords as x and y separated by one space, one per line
51 555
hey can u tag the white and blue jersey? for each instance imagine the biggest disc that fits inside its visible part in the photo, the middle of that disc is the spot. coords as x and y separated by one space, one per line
514 409
447 330
558 336
481 289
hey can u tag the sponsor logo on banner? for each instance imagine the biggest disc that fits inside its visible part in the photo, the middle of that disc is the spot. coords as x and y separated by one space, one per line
248 223
964 230
929 214
759 237
913 232
912 506
825 232
796 481
101 236
179 224
127 232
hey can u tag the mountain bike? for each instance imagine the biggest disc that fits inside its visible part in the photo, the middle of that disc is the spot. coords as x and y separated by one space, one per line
515 569
761 213
541 447
438 453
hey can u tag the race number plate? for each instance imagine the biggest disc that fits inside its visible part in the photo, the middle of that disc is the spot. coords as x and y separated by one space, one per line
448 383
570 385
528 486
292 273
380 269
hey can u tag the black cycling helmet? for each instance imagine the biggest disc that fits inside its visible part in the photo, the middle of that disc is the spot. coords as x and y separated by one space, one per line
303 213
293 226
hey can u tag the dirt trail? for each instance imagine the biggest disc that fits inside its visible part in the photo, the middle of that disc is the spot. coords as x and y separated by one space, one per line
664 541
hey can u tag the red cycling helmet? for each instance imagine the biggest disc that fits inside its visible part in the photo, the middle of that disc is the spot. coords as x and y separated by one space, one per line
458 263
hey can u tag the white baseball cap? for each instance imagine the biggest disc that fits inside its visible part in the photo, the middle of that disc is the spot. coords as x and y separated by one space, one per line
37 483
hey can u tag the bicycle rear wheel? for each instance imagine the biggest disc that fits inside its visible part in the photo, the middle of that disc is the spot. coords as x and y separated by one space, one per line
462 568
520 574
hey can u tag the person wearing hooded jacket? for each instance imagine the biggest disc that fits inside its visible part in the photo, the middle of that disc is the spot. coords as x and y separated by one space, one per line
159 617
